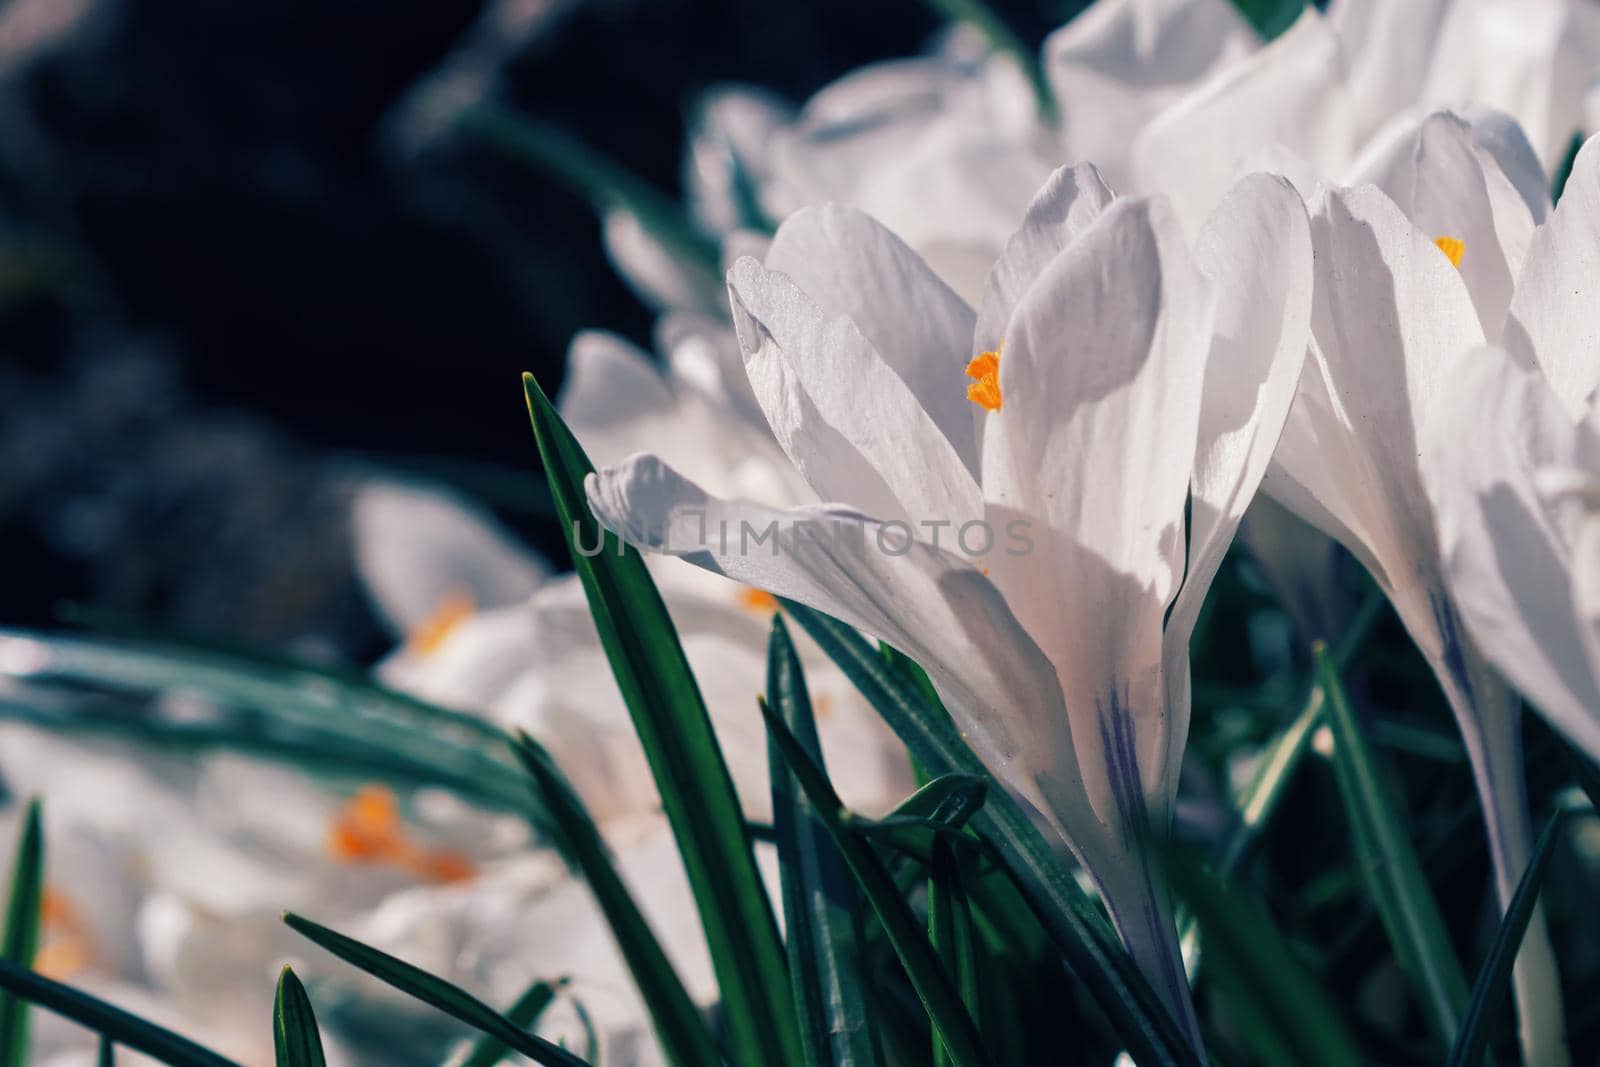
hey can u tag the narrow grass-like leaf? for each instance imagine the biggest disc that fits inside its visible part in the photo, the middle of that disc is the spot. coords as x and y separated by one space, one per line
1390 867
950 927
1277 1007
938 994
490 1050
111 1022
1084 938
1270 17
696 790
1004 40
435 992
821 907
22 932
295 1038
942 807
1584 772
108 1054
1490 991
678 1025
1563 171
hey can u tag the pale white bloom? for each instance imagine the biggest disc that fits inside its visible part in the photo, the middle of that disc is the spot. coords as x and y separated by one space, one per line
1402 303
1310 101
1513 462
1122 376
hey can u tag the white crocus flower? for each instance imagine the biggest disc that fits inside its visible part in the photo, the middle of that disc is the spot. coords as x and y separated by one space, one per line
1058 491
1513 462
1394 320
1310 101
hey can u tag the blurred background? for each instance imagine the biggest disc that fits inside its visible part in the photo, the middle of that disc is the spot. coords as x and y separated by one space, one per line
241 256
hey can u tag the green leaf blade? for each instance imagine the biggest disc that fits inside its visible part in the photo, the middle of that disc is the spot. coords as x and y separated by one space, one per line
1080 933
433 991
1277 1006
1391 868
691 776
938 994
821 908
295 1038
490 1050
110 1021
1494 981
23 916
677 1022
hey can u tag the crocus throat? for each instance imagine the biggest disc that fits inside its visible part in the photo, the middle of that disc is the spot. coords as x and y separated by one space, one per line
431 633
985 372
1453 248
368 830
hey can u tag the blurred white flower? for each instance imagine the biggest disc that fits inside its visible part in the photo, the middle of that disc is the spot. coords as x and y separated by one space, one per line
1308 102
1108 373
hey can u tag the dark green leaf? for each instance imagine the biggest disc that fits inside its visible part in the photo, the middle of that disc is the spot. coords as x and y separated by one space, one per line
1563 170
490 1050
1277 1008
294 1025
108 1055
1270 17
22 932
111 1022
938 994
691 776
435 992
950 926
942 807
1490 990
678 1025
1389 865
821 907
1085 940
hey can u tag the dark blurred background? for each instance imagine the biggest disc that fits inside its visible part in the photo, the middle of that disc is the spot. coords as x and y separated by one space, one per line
234 258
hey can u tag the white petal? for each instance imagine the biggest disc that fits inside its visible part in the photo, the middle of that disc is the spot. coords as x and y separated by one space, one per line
1555 314
1072 199
1256 250
1386 43
416 548
927 602
1287 94
1449 186
1508 560
1120 62
846 419
1391 321
1092 447
852 266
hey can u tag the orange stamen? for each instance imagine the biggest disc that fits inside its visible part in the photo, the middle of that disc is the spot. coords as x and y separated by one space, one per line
984 369
757 600
64 945
368 830
1453 248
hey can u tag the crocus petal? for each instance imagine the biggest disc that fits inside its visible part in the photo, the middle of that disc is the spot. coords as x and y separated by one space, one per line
1391 320
1510 561
1072 199
1256 250
1449 186
1288 93
846 419
418 548
1093 449
1381 40
1120 62
727 147
1555 314
656 275
854 267
929 603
